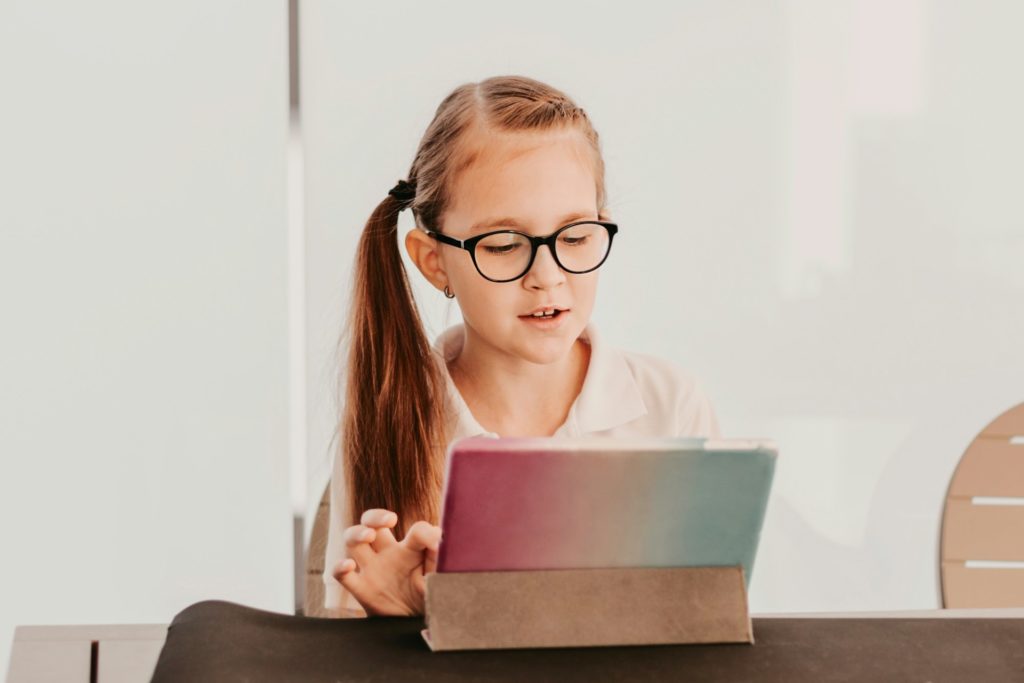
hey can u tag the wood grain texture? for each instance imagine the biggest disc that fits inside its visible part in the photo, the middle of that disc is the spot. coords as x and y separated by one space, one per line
313 605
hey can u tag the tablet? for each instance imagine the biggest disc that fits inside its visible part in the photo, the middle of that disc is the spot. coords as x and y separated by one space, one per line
570 503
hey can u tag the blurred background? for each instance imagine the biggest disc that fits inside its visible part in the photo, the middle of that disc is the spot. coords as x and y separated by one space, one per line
820 219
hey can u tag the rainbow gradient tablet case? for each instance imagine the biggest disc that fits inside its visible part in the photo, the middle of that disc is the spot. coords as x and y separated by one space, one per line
573 503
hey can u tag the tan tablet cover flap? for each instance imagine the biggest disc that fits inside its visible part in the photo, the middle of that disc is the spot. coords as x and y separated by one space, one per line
586 607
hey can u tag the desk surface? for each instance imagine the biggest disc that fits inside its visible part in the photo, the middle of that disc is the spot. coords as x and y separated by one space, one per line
128 653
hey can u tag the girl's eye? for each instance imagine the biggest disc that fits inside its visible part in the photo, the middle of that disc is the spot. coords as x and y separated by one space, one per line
505 249
574 241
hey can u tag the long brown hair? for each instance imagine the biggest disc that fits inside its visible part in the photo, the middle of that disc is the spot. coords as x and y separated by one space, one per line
394 430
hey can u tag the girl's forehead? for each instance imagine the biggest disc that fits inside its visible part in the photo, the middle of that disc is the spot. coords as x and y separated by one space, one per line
490 148
532 176
539 167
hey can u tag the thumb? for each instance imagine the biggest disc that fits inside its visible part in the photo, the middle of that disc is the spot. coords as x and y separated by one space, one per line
422 536
430 561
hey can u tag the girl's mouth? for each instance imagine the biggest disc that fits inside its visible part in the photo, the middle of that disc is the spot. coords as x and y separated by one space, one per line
545 321
549 314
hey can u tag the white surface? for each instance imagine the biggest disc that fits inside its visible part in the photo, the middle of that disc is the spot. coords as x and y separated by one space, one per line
822 200
143 283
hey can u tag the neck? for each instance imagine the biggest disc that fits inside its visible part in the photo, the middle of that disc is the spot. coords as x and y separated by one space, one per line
512 396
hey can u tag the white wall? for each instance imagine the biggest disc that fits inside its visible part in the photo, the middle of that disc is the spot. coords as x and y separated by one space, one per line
822 199
143 283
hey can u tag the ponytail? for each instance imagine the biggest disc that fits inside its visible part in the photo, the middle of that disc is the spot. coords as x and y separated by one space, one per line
393 422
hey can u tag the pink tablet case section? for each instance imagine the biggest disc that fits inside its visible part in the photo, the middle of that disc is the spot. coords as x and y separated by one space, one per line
577 503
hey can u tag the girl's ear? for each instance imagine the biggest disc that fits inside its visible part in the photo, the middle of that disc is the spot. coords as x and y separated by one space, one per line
423 251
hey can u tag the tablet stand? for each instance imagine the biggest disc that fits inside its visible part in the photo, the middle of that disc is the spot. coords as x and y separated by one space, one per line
586 607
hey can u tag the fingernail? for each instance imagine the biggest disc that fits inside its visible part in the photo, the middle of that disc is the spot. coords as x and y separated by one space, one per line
365 535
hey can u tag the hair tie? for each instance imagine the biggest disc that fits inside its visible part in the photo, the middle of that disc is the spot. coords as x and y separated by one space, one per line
403 192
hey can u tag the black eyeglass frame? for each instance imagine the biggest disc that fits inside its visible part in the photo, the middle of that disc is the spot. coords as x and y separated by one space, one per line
535 244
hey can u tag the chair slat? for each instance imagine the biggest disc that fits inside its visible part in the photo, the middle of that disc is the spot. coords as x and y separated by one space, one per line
972 587
982 532
313 601
990 467
1009 424
314 598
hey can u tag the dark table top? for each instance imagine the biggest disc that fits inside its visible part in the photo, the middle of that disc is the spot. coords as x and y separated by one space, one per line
223 641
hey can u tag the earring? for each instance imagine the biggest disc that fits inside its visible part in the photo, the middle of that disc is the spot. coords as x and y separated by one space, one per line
448 293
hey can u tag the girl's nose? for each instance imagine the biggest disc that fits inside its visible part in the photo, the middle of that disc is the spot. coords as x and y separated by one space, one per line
544 272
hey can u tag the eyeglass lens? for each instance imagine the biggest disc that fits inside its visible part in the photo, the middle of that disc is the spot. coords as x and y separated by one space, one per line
506 255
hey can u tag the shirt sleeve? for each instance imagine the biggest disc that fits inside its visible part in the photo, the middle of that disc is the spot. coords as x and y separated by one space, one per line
696 414
337 600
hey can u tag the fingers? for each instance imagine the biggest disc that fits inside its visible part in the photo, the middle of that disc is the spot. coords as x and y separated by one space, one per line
419 578
378 517
344 572
363 541
382 520
422 535
419 584
389 581
430 563
343 567
357 543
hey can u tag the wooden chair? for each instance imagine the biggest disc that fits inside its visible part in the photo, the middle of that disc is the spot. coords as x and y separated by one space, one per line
990 530
313 601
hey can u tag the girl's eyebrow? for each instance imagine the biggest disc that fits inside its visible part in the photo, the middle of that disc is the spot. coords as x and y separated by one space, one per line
516 223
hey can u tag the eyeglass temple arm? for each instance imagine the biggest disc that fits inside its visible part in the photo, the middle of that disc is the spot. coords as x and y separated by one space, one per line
446 239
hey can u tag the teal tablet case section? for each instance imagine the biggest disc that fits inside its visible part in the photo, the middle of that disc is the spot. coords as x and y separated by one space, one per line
564 503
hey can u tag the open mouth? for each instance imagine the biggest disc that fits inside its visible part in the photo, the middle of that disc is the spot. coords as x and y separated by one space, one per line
548 315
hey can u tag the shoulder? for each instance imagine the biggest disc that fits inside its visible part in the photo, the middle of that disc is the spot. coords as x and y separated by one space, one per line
672 393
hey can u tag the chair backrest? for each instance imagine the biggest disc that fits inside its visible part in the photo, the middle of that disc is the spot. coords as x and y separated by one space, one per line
313 601
982 546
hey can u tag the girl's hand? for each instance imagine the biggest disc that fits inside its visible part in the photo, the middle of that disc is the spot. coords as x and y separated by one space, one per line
387 576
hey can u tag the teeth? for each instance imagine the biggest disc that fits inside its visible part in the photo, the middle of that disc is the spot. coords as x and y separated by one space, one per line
544 315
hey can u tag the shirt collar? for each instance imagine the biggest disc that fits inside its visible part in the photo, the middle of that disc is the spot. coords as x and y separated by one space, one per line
608 398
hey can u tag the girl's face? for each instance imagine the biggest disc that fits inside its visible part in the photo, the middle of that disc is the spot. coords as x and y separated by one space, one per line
541 182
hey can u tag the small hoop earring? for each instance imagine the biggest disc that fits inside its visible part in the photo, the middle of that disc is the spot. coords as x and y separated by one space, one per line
448 293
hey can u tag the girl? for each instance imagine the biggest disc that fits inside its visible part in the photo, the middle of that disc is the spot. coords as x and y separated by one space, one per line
507 191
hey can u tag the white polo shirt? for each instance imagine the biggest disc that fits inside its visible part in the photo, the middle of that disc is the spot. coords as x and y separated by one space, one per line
623 394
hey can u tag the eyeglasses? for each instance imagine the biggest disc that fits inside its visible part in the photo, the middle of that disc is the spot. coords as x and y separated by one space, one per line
506 255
